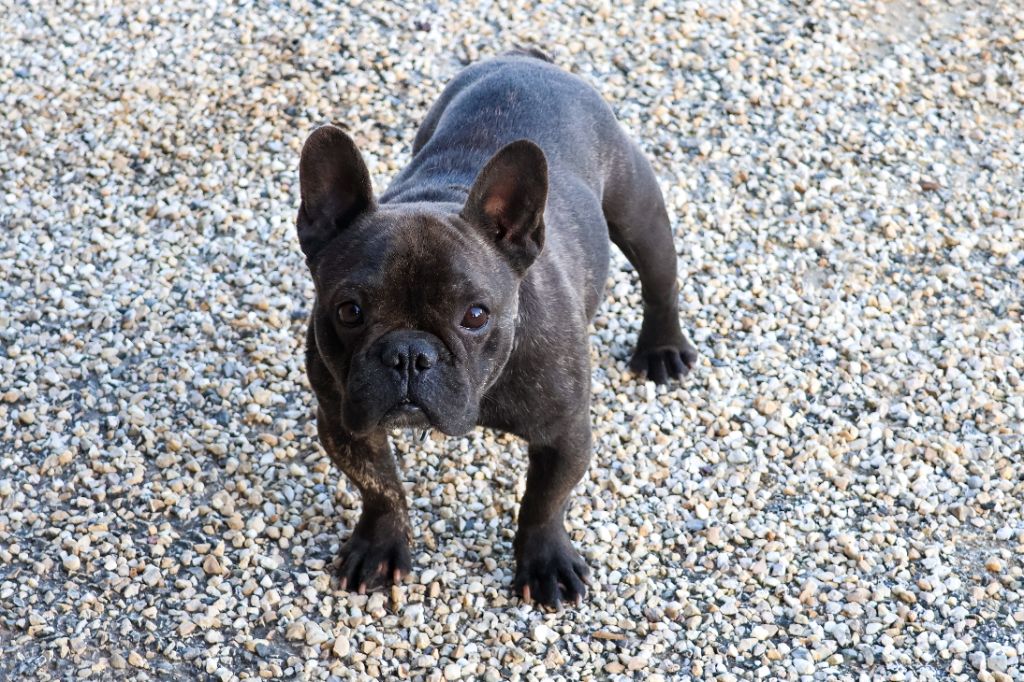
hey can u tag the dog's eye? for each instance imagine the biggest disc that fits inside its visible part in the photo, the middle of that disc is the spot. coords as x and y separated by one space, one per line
475 317
350 314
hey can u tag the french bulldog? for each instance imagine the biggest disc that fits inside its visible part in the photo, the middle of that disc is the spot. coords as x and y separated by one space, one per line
461 296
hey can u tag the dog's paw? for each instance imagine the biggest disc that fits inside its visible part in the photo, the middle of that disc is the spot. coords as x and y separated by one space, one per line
375 558
662 363
549 571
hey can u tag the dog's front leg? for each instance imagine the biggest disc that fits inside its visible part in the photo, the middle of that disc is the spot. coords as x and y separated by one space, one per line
548 568
377 552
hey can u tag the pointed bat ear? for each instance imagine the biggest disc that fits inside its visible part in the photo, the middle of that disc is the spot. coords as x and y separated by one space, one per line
507 202
335 187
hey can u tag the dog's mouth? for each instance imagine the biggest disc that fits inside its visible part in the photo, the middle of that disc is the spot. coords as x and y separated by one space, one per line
406 414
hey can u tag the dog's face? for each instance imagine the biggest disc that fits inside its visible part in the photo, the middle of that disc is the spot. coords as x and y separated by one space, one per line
416 306
414 318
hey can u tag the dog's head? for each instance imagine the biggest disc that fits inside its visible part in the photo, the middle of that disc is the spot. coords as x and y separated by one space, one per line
416 305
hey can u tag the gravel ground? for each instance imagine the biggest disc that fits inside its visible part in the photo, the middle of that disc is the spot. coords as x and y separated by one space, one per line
837 490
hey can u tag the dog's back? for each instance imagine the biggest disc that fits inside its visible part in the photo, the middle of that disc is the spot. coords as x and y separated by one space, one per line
520 95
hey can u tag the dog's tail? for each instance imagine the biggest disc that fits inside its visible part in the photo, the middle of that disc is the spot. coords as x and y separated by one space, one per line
529 51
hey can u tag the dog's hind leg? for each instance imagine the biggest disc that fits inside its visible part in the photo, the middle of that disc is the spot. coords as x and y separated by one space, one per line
638 224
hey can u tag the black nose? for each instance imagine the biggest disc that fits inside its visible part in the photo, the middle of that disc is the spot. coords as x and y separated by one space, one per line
408 354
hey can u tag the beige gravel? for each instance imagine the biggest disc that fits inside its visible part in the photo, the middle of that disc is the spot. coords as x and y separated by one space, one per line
836 492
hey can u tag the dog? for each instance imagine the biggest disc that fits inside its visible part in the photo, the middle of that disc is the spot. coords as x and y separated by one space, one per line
461 296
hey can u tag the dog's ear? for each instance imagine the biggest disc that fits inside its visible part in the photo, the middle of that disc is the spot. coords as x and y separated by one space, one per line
507 202
335 187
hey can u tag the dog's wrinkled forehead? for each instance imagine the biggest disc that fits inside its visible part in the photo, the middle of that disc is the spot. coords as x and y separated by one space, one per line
411 257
